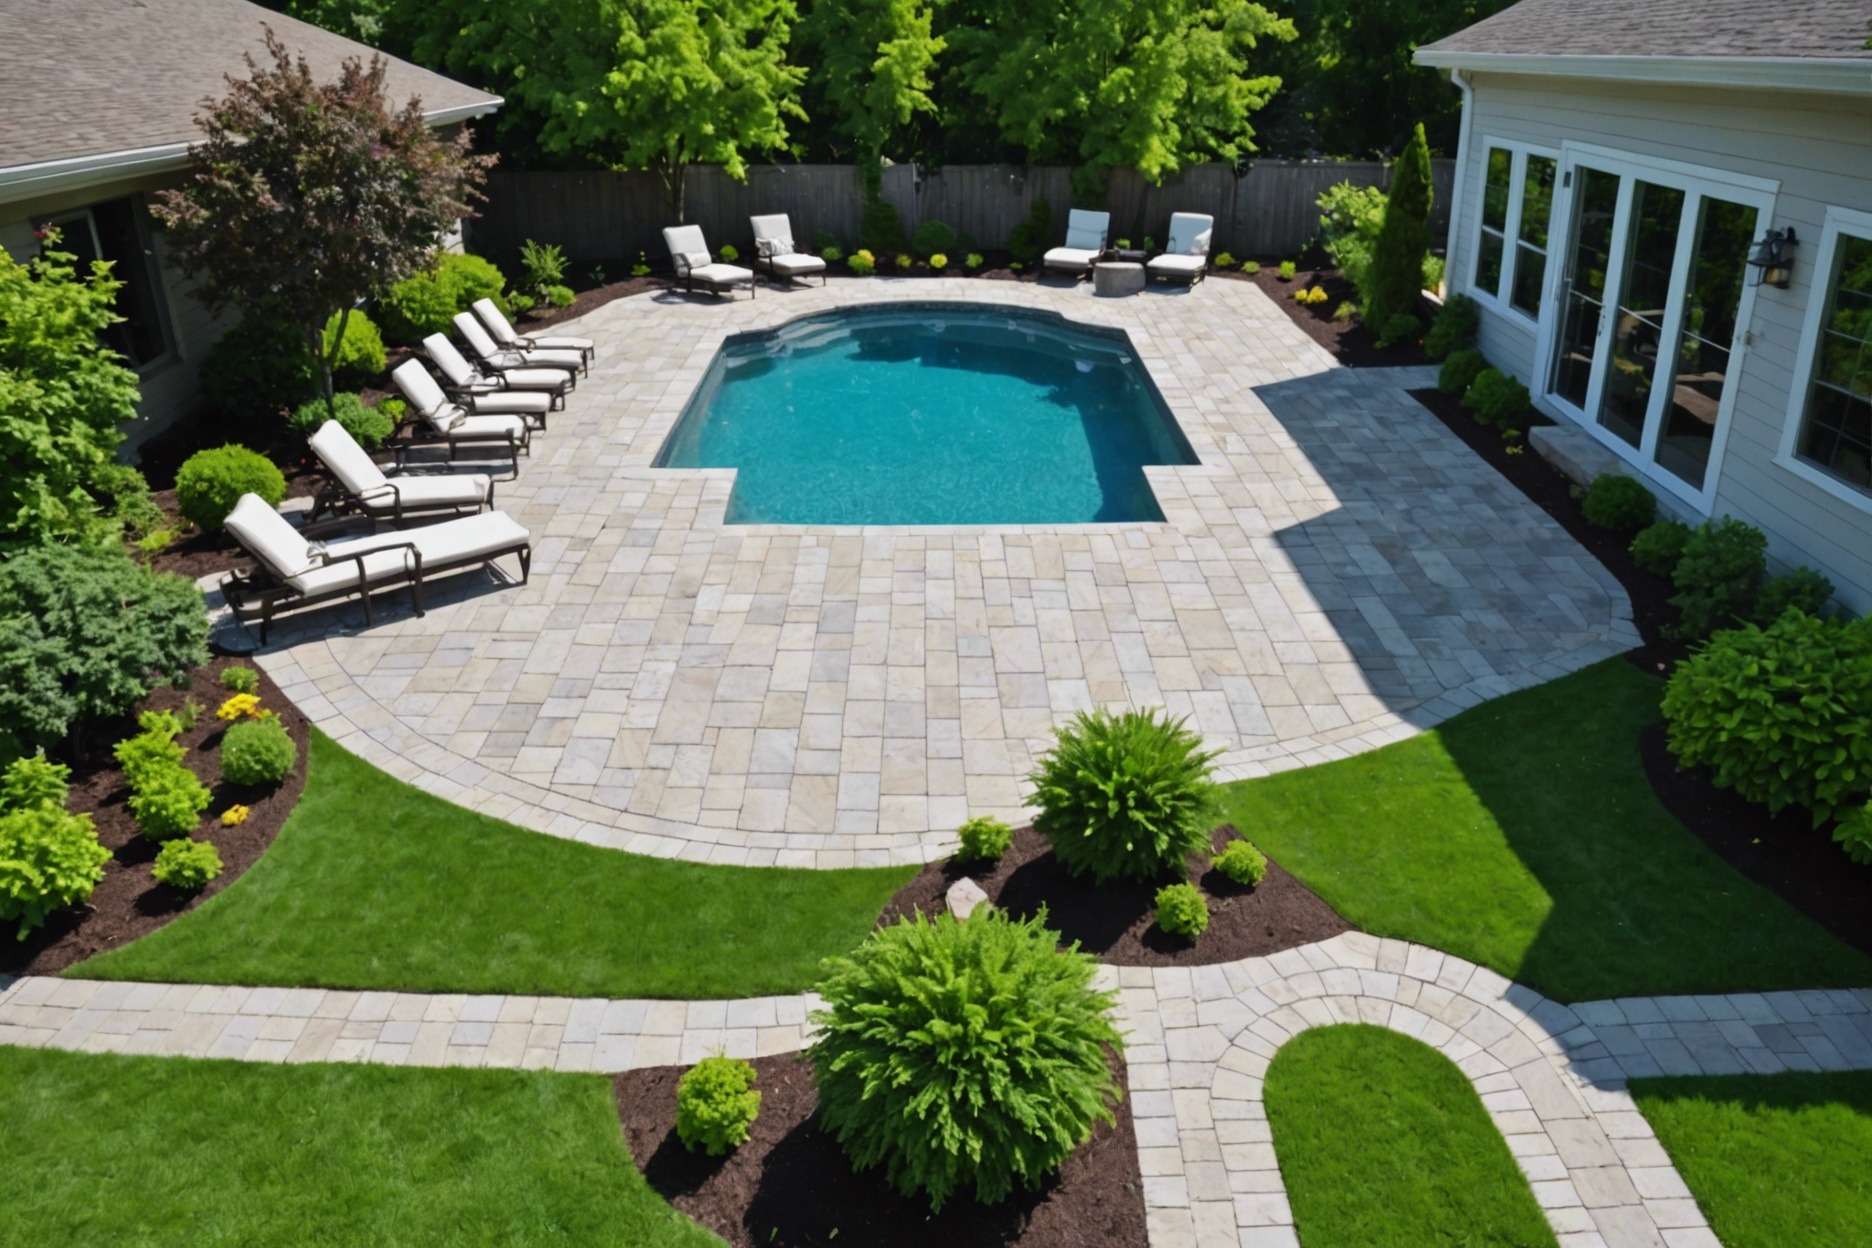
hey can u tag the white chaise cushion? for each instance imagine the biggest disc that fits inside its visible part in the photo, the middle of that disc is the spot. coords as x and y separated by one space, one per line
1068 258
722 274
1177 266
452 541
1087 230
265 534
419 387
773 233
793 263
527 398
345 459
1190 233
685 242
488 427
503 331
439 490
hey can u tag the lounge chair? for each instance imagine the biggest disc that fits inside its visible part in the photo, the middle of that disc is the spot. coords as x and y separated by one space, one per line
443 421
1186 258
1086 233
499 359
696 267
359 484
774 251
291 571
529 392
502 329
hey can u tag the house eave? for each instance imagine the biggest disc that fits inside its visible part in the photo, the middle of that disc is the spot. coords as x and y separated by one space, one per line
1832 76
49 177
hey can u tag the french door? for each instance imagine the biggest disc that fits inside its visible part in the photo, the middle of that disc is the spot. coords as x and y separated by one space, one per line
1644 334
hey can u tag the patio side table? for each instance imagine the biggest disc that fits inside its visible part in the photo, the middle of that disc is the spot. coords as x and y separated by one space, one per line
1111 278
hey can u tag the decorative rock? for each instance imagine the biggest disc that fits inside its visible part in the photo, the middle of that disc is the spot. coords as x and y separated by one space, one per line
964 896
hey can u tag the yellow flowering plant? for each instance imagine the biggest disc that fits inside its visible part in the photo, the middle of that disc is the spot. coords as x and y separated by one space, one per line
235 815
239 706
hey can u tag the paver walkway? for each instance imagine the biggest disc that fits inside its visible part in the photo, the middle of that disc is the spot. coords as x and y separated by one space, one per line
1199 1042
1338 572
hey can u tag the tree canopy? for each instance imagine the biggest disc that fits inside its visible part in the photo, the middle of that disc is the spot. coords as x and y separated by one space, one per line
873 66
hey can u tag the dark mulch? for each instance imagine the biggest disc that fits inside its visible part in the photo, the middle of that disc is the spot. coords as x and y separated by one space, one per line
1349 341
128 902
196 554
1116 921
1783 853
590 299
790 1185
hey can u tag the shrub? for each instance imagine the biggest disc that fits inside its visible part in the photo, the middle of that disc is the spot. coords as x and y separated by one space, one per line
1783 715
1124 795
1616 501
209 483
187 865
905 260
240 680
124 496
369 425
1225 261
716 1103
880 229
519 302
1717 576
983 839
259 370
238 706
49 857
257 752
1460 370
974 260
730 253
963 1054
1396 277
1398 327
832 253
1453 328
1029 240
1495 397
862 262
1251 267
939 262
1658 547
168 802
1287 270
1351 218
544 265
1318 295
152 751
1803 589
1243 863
1854 835
427 302
561 296
1345 311
361 355
1181 911
932 237
1433 267
84 634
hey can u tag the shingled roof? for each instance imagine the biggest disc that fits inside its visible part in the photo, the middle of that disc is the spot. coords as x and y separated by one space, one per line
1747 29
81 78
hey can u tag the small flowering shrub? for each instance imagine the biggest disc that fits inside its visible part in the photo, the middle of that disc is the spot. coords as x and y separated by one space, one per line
49 857
862 262
1243 863
1181 911
240 679
1616 501
257 751
983 839
240 706
235 815
716 1105
1854 835
1658 547
187 865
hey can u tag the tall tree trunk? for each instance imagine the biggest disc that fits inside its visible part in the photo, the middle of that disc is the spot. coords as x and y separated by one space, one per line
673 170
328 359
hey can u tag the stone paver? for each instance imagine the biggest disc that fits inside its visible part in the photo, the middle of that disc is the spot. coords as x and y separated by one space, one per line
1337 573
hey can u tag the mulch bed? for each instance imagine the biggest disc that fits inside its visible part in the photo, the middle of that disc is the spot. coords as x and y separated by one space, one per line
1349 340
128 902
791 1185
1116 921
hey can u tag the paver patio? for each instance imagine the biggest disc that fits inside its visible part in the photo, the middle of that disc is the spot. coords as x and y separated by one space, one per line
1338 572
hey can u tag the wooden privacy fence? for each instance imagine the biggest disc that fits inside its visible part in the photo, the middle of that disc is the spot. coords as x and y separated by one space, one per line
1268 209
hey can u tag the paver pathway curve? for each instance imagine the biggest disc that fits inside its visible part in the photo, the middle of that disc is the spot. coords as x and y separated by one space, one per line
1199 1042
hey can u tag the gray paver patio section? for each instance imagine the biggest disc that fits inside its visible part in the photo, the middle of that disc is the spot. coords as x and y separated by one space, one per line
1339 572
1198 1045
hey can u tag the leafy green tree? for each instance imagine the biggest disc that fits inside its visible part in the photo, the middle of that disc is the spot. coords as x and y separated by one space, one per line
306 197
1396 274
873 63
1142 84
628 84
63 394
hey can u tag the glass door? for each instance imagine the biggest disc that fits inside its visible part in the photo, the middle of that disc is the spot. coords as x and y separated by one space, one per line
1644 291
1712 299
1582 289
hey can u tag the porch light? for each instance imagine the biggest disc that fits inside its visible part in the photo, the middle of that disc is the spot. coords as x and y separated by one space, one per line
1773 260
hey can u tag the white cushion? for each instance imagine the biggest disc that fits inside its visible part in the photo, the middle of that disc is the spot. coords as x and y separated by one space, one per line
489 427
453 365
1069 258
690 261
685 240
266 535
524 401
439 490
539 360
1190 233
1086 230
448 542
796 263
477 337
1179 266
775 228
340 453
559 342
721 274
419 388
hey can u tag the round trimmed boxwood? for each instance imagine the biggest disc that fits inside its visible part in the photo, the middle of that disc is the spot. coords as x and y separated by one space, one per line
963 1054
1658 548
1462 367
257 751
716 1105
1125 795
1616 501
209 483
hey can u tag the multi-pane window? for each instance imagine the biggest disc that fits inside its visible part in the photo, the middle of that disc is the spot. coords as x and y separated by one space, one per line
1511 239
113 231
1836 427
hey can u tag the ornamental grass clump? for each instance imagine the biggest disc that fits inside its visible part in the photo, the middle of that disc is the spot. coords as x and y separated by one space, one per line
963 1055
49 857
716 1105
1125 796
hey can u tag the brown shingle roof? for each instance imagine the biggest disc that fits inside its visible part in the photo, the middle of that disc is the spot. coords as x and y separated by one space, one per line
83 77
1676 28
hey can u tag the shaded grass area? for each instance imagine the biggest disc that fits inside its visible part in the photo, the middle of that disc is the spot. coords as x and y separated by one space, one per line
374 884
1523 835
1383 1141
1775 1161
106 1149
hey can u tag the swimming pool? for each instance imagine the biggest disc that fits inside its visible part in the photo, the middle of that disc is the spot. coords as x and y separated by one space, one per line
930 414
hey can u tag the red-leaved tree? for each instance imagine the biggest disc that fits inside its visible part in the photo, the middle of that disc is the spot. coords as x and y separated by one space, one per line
306 197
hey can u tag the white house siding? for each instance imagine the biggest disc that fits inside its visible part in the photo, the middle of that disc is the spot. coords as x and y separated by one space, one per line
1819 148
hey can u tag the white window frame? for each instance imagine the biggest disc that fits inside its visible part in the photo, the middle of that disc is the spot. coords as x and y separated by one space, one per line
1501 298
1839 221
165 326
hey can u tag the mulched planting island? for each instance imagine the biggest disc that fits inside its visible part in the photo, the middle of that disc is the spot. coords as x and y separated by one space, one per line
791 1184
1117 921
128 902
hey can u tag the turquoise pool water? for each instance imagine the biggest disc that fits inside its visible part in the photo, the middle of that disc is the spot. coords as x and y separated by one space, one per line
930 414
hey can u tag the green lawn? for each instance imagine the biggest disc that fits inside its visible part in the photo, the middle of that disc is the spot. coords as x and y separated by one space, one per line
1382 1141
374 884
1523 835
1775 1161
104 1149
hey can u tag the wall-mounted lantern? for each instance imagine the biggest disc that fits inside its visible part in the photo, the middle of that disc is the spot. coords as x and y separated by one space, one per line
1773 260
